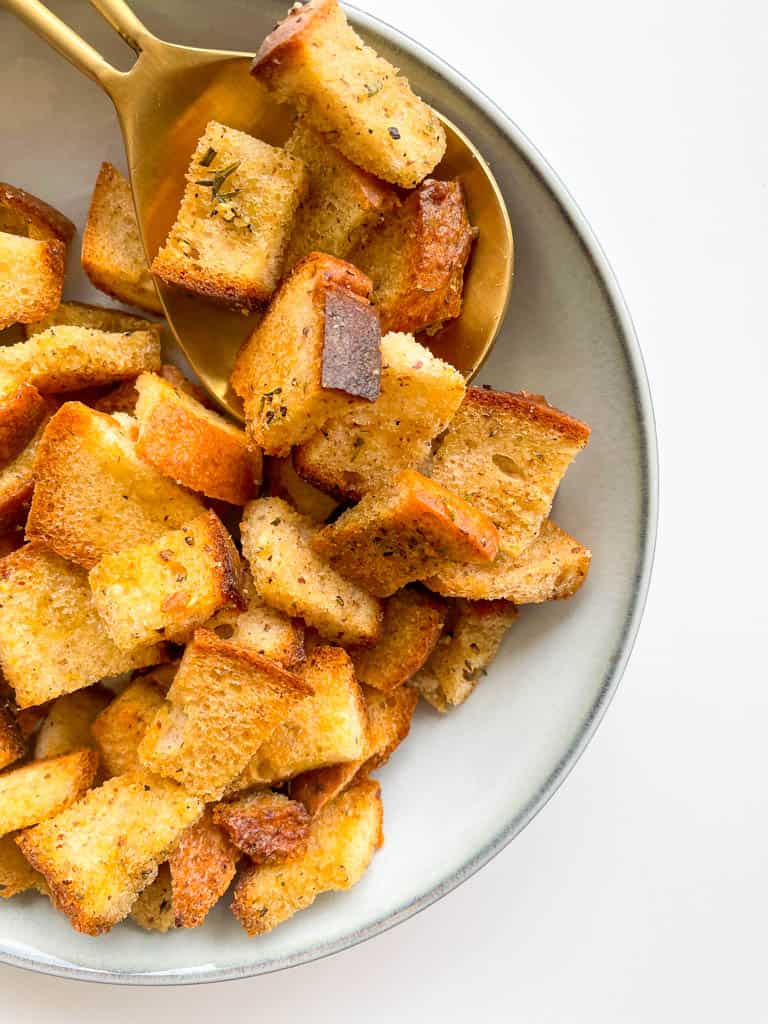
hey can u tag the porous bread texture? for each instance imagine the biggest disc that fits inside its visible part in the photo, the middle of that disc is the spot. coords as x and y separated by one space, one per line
17 481
282 481
16 874
153 909
201 868
23 214
119 729
31 278
99 318
68 720
22 409
39 790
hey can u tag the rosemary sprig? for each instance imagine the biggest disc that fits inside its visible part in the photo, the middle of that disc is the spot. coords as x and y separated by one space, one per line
218 178
209 157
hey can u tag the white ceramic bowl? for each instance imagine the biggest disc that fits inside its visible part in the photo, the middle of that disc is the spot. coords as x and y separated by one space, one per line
465 784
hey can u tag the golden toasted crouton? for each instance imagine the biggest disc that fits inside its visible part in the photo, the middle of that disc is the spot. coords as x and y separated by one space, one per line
94 495
343 200
17 481
113 255
98 855
23 214
202 866
16 873
416 259
165 589
506 454
404 533
153 910
261 629
22 409
289 575
12 745
222 705
266 826
195 447
282 481
234 220
316 352
120 727
473 632
31 278
67 358
315 61
343 838
99 318
361 450
41 789
123 397
67 725
51 639
389 722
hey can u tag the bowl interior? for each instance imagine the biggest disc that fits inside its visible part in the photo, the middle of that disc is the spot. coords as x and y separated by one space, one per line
465 783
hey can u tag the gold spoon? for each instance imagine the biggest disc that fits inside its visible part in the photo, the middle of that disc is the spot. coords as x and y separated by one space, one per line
164 103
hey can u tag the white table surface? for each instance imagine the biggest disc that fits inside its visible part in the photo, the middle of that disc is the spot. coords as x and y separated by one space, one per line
640 893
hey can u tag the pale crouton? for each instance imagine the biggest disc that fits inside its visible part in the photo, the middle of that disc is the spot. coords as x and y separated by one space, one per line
31 278
235 218
22 409
361 450
389 722
67 725
39 790
222 705
316 351
472 635
290 576
416 259
315 61
165 589
113 254
16 873
202 866
195 447
98 855
68 358
23 214
124 396
153 910
343 200
120 728
506 454
94 495
553 566
99 318
17 480
261 629
342 841
405 533
12 745
266 826
51 639
282 481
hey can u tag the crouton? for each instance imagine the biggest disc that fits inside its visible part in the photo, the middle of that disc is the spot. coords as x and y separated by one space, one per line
235 218
389 722
363 449
17 480
266 826
23 214
16 874
98 318
67 725
68 358
51 639
473 632
31 278
113 254
39 790
22 408
290 576
506 454
223 704
282 481
98 855
316 351
123 397
202 866
405 533
315 61
153 910
261 629
120 727
195 447
94 495
12 745
165 589
342 203
343 838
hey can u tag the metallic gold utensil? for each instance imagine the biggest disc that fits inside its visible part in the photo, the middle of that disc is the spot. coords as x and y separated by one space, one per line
164 103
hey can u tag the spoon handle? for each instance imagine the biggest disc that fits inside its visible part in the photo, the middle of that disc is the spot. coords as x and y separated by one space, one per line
125 22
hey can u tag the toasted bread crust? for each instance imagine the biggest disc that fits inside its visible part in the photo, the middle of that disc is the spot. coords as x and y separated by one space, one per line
40 220
534 408
22 408
351 360
266 826
286 40
282 481
120 727
202 866
42 789
43 262
12 745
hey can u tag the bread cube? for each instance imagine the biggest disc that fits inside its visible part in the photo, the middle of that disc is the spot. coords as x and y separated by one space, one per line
67 724
316 352
39 790
282 481
201 868
362 449
405 533
98 318
235 219
124 396
261 629
113 254
23 214
98 855
343 838
473 632
153 910
12 745
52 641
266 826
94 495
121 726
22 409
16 873
289 575
315 61
222 705
31 278
17 480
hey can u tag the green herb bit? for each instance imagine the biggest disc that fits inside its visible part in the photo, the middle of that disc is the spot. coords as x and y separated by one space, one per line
208 157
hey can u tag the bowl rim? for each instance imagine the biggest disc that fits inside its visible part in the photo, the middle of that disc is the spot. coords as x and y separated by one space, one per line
648 445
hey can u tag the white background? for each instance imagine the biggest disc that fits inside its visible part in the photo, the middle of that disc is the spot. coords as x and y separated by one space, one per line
640 893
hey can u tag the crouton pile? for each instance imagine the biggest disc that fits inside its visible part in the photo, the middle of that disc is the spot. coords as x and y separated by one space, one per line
212 635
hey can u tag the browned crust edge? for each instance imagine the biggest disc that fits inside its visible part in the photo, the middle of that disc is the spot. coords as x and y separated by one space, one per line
37 209
531 407
230 573
286 38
